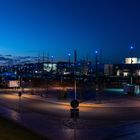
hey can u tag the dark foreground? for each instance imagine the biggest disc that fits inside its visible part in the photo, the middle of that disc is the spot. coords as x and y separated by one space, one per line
12 131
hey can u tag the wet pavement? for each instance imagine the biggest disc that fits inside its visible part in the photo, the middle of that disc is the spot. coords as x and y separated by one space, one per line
67 129
36 113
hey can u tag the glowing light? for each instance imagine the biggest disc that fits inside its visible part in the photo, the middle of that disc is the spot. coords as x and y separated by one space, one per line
36 71
96 52
133 59
13 83
131 47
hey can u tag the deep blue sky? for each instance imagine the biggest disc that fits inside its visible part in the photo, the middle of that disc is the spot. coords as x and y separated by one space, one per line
29 27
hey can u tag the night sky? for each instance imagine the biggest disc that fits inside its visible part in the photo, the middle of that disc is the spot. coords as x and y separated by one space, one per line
58 27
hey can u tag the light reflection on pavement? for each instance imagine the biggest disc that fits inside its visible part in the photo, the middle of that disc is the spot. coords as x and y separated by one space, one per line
53 120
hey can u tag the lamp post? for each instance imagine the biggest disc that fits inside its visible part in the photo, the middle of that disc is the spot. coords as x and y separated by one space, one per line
69 55
52 57
131 73
96 78
96 63
20 87
75 84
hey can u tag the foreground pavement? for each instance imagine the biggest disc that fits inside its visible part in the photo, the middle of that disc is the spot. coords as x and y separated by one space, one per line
108 120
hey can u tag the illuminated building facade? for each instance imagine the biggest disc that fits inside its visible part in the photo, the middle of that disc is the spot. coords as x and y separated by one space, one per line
133 60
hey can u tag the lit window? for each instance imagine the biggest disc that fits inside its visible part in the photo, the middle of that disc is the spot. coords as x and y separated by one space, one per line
125 74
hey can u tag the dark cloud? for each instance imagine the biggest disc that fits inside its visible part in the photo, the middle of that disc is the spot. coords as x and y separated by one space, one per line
8 55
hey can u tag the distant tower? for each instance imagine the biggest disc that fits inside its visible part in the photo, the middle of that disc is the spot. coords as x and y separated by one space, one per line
75 56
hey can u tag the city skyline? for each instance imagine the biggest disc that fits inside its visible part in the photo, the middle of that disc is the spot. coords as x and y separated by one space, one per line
29 28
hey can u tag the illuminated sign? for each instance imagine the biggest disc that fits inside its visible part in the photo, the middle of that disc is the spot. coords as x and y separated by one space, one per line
14 83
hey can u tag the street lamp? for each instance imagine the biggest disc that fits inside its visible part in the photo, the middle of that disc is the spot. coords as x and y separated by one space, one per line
69 55
96 77
96 63
131 55
52 57
75 84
